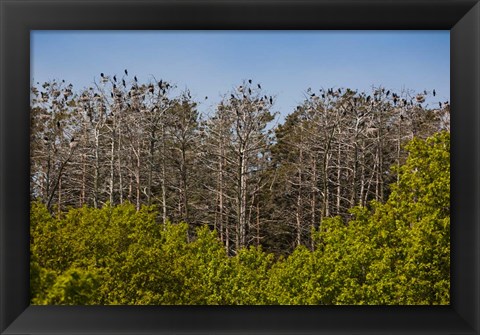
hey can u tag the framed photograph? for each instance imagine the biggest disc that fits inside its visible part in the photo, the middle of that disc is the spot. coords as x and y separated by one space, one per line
240 167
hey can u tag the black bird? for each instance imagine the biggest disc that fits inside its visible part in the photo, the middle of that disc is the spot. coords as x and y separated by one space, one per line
233 97
115 78
388 93
101 74
160 83
339 91
249 81
135 78
323 95
368 98
111 94
206 97
312 95
114 86
58 124
123 82
439 104
126 72
425 92
271 100
249 91
434 93
260 87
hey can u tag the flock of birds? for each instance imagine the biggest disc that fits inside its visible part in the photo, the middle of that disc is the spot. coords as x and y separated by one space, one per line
164 86
396 99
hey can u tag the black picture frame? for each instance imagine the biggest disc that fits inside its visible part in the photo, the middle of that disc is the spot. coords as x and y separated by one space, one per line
18 17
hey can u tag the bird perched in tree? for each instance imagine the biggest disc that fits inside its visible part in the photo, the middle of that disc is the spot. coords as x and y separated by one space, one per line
249 91
123 82
260 87
135 78
126 72
73 143
434 93
271 100
115 78
102 75
249 81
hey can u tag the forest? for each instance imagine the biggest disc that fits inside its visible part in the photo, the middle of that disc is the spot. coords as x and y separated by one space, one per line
138 198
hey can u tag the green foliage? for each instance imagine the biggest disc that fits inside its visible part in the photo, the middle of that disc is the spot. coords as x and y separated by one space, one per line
397 252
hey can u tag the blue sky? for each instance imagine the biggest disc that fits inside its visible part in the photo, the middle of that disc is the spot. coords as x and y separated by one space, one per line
286 63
